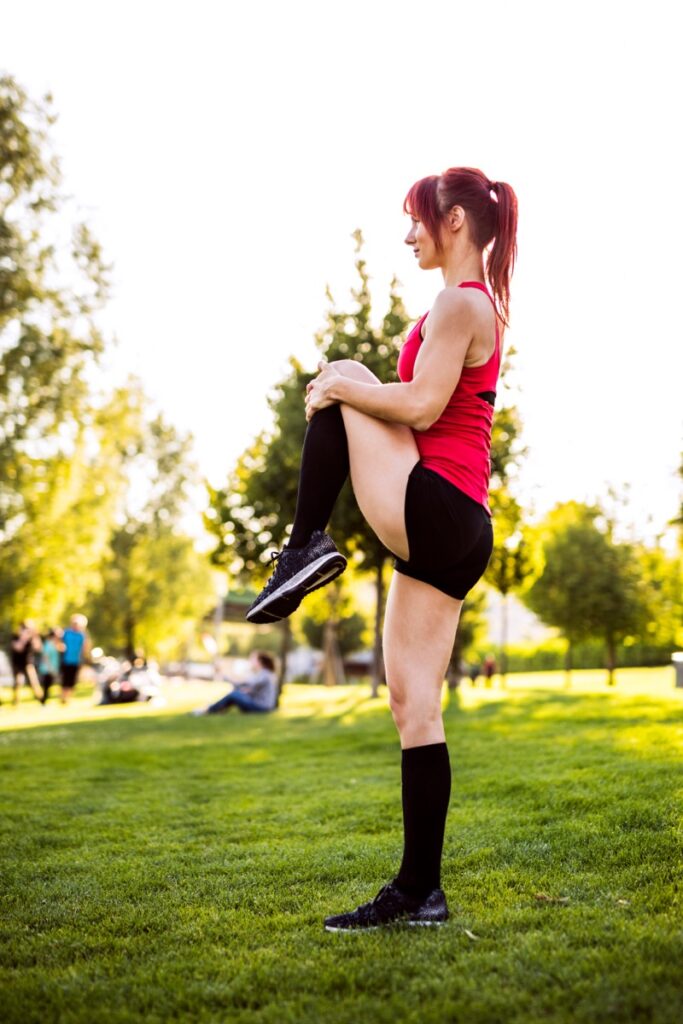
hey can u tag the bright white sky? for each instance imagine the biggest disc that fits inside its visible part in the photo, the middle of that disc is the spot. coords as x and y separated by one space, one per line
224 152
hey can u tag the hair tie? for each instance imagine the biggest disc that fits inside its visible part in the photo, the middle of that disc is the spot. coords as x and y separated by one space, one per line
493 185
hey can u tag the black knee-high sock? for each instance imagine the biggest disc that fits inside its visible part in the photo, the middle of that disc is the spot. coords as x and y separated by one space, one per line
426 790
324 468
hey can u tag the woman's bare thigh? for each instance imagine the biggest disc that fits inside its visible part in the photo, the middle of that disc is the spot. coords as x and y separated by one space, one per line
381 456
420 624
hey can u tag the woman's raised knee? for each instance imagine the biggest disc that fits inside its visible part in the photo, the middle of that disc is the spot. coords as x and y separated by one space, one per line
354 368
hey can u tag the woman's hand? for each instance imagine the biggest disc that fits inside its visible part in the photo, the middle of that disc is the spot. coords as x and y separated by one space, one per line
318 390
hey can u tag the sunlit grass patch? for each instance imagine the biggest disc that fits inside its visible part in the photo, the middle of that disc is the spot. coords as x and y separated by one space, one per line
164 867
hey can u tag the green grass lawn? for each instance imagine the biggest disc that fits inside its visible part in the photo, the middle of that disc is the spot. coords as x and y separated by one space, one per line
160 867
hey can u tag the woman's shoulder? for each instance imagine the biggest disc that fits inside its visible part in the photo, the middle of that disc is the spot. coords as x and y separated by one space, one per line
453 305
453 297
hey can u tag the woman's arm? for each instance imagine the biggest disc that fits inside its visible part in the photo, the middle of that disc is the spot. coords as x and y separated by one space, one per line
418 403
253 681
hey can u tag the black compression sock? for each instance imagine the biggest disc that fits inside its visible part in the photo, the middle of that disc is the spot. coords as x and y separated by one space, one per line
324 468
426 790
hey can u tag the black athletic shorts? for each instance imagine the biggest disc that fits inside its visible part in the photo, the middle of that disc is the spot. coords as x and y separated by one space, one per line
69 676
450 536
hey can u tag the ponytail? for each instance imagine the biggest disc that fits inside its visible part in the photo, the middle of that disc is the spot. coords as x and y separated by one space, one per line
500 261
493 221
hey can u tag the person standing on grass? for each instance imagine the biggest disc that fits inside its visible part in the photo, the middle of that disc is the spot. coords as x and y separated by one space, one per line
75 649
419 456
49 661
257 693
489 668
24 647
474 673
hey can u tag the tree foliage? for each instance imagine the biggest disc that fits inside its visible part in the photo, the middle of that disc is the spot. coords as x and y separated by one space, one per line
54 512
155 586
51 289
513 559
255 511
92 489
336 603
590 586
662 583
50 558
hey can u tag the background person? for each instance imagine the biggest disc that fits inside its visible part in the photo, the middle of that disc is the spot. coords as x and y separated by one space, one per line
258 692
49 660
75 647
489 669
24 647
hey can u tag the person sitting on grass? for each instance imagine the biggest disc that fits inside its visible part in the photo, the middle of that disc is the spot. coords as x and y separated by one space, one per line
258 692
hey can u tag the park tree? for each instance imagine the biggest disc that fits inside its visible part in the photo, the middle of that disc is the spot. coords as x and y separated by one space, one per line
471 628
662 582
53 283
678 520
329 623
51 557
155 585
255 511
513 559
590 586
54 513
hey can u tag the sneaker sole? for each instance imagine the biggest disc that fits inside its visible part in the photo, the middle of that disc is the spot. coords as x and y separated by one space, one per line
389 924
287 598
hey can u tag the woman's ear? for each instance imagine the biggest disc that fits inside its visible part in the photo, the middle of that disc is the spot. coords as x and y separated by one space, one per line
455 218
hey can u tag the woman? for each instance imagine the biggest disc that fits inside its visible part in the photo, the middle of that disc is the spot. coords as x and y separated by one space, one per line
258 692
418 453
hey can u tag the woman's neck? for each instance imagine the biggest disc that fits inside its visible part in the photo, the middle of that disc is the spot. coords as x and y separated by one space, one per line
463 266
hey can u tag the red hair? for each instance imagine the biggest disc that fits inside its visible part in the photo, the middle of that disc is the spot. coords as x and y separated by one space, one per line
491 209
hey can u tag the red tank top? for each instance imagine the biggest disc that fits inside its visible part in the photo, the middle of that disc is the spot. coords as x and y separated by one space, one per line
458 444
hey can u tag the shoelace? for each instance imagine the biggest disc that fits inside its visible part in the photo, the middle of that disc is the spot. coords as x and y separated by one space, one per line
387 899
275 556
379 897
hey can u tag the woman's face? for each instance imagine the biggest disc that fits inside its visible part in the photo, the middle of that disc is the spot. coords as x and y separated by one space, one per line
422 244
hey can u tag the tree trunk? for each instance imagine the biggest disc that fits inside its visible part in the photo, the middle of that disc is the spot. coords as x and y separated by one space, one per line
611 661
377 657
333 668
568 663
130 638
332 671
217 624
285 644
454 670
503 638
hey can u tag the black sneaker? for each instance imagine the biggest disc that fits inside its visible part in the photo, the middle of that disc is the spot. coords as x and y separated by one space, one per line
391 906
298 572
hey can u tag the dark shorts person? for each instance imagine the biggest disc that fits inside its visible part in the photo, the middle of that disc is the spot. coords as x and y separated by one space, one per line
450 535
69 676
46 681
19 668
